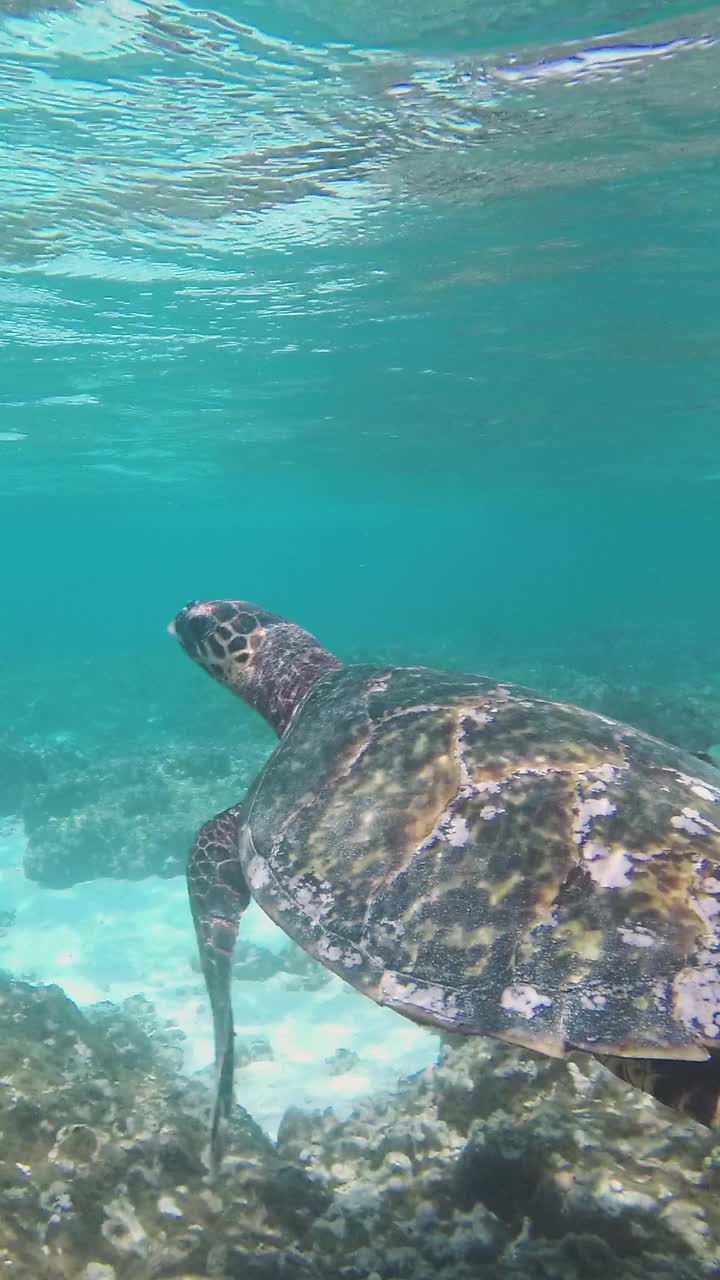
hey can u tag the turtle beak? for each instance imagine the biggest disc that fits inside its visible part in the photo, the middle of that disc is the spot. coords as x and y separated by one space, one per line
192 626
172 628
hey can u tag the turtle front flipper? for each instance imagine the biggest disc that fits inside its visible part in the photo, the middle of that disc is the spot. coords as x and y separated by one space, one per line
218 896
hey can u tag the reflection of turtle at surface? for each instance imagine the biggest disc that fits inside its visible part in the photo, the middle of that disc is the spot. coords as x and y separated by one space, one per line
477 857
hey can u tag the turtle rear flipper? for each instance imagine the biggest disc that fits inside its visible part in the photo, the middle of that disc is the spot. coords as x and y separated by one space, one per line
218 896
690 1087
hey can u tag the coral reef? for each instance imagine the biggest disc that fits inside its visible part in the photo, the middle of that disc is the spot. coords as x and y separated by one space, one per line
496 1165
500 1164
100 1145
129 816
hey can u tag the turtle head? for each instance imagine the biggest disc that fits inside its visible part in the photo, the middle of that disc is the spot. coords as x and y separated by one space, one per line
263 659
224 637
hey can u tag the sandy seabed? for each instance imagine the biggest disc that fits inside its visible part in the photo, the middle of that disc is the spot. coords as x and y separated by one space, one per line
109 940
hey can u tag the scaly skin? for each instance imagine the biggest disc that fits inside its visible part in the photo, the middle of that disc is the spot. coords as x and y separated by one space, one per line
218 896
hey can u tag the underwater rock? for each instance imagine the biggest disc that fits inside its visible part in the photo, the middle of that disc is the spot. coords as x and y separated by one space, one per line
136 1035
100 1144
496 1165
256 963
304 972
251 963
255 1049
91 815
341 1061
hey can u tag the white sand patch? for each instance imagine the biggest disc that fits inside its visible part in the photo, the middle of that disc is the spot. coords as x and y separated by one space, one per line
111 939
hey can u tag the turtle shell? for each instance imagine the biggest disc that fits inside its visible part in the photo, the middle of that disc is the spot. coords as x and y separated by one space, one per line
483 859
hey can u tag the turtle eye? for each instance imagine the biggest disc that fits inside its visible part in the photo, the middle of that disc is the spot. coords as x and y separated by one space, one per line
197 627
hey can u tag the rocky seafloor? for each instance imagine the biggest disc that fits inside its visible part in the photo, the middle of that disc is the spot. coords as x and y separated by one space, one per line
496 1164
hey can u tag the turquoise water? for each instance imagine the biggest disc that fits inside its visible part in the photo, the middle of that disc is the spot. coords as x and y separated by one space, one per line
272 329
400 320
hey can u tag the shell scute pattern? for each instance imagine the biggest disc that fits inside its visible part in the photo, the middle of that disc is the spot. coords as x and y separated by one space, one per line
499 863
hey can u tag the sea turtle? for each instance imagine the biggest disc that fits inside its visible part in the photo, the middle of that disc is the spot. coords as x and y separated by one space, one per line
480 858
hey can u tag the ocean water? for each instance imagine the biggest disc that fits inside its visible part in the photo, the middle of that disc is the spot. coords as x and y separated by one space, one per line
399 319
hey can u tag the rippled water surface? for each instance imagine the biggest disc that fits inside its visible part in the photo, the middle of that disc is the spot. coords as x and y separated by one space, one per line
406 326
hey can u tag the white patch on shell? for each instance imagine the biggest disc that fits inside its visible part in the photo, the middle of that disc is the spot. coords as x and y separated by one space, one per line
329 951
315 901
488 812
707 907
588 811
379 684
257 873
637 937
435 1001
169 1207
691 783
480 717
593 1002
452 829
524 999
649 855
682 822
696 995
660 995
704 793
457 833
411 711
610 868
693 823
606 773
